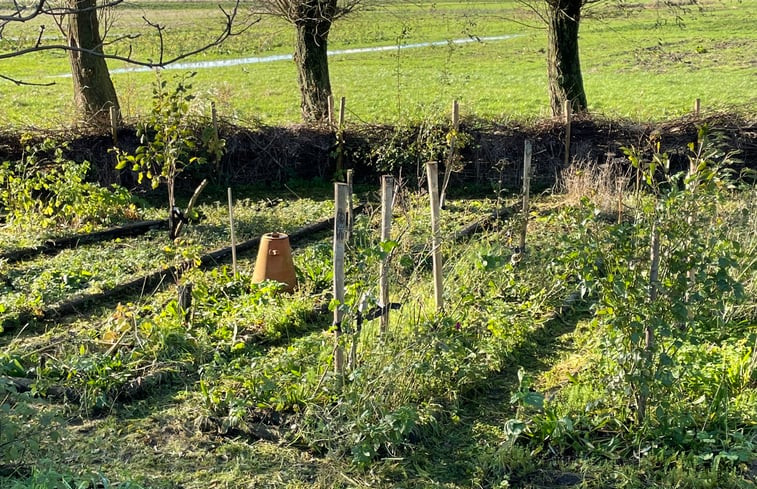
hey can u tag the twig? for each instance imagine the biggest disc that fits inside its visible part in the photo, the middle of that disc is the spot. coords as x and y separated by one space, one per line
191 204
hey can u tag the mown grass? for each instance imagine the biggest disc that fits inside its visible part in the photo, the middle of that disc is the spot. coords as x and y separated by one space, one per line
173 438
44 281
638 65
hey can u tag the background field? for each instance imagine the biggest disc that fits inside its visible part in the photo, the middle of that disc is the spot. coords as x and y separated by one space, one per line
639 63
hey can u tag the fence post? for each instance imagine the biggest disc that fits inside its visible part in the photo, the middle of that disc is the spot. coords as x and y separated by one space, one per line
387 197
330 102
185 301
619 184
568 109
432 172
526 191
692 186
233 235
114 124
350 214
341 191
340 137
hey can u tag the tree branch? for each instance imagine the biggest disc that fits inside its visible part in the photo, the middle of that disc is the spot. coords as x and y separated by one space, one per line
26 84
227 31
39 9
530 6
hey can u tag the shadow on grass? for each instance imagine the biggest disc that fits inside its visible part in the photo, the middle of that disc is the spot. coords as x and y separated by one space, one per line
459 450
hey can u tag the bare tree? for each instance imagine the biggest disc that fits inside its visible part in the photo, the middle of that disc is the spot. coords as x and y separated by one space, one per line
312 20
94 93
78 20
563 60
563 18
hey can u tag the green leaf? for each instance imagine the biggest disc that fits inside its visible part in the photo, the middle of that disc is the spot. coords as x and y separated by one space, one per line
534 399
514 428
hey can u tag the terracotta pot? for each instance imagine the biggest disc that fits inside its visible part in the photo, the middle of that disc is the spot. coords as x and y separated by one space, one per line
274 261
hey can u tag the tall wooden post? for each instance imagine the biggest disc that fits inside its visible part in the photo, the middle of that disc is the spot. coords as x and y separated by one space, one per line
432 172
214 117
341 198
350 214
342 107
340 137
619 184
233 235
526 193
568 109
114 124
387 197
330 102
649 334
185 302
692 186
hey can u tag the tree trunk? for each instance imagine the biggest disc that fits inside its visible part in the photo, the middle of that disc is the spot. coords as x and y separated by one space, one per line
311 58
94 93
563 64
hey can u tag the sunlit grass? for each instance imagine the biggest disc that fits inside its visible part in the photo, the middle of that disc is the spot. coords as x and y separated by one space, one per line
641 66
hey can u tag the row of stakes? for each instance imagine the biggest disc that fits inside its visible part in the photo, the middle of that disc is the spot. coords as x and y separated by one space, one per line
274 259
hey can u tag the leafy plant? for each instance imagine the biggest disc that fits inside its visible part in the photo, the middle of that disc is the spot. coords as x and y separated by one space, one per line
23 427
663 283
169 144
46 190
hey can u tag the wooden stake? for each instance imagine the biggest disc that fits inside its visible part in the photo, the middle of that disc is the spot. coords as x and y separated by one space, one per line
233 235
340 138
387 197
342 106
185 301
114 124
649 340
526 193
452 151
341 191
568 109
619 185
432 172
697 107
654 271
214 117
350 213
330 102
693 182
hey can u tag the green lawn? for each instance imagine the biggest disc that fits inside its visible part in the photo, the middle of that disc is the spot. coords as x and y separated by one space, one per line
638 65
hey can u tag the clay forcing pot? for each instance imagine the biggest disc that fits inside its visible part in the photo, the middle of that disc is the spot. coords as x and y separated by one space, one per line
274 261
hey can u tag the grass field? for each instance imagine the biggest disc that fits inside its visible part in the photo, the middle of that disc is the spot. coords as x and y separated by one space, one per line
534 373
638 63
246 395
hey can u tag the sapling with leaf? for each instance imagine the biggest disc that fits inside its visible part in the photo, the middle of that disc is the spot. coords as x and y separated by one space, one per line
647 304
169 145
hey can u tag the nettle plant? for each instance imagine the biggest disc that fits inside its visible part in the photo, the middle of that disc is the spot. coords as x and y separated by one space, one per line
169 144
663 280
